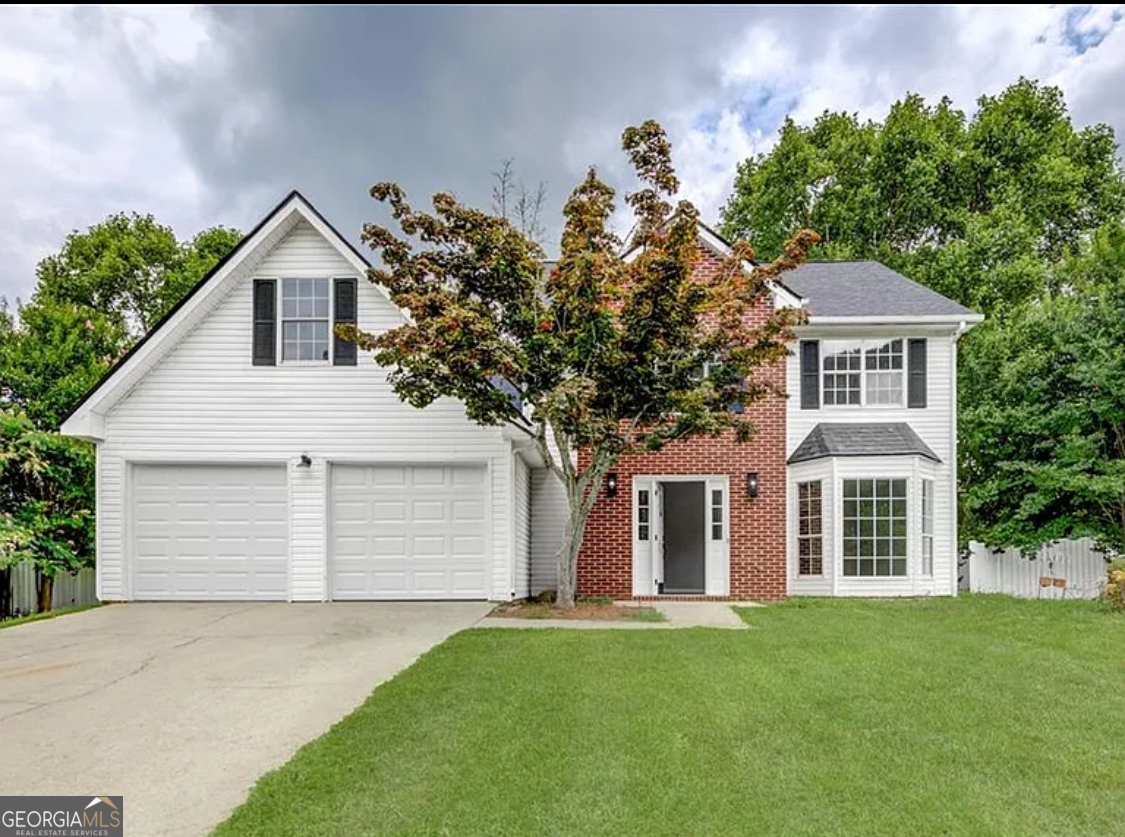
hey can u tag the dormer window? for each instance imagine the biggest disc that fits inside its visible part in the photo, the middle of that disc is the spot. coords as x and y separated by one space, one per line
305 320
868 373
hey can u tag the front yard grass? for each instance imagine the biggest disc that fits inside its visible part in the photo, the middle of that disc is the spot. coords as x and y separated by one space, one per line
976 716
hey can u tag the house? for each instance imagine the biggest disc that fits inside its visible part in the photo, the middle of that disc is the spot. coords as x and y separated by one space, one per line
243 452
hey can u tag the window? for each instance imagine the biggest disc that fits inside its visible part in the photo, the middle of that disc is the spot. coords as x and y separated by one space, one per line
842 375
884 373
810 521
875 528
644 510
927 527
716 514
864 372
305 319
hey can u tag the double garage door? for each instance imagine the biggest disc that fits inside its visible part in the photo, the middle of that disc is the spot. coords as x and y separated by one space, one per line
203 532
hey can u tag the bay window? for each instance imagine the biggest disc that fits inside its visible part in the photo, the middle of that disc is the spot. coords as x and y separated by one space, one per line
874 528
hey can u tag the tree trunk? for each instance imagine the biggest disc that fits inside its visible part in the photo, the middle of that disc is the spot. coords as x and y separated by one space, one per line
46 588
568 555
581 496
5 592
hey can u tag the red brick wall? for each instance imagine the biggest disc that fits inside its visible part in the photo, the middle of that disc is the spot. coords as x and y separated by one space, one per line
757 527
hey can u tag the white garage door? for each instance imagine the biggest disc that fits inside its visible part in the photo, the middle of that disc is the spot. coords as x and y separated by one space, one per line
409 532
209 532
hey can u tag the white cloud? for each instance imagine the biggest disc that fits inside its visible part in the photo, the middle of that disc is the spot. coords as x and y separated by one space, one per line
960 52
78 144
194 116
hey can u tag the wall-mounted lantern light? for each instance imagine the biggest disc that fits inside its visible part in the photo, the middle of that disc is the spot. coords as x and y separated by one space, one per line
305 461
752 484
611 484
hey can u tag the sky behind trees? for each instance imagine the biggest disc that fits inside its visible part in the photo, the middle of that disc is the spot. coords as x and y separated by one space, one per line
208 116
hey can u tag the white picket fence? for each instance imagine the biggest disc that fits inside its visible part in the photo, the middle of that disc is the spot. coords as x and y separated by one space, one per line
69 590
1064 570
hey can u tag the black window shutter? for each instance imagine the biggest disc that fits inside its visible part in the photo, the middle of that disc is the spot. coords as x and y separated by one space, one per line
810 374
265 322
916 370
344 351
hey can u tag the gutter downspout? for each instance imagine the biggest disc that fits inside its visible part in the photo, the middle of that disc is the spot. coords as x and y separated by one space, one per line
955 506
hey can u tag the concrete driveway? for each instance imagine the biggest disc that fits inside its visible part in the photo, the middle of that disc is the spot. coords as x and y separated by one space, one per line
181 707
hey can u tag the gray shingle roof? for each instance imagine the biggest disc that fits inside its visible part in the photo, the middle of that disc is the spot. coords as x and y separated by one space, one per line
866 289
888 439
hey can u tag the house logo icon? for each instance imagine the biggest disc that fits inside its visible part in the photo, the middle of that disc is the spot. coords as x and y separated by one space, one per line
104 799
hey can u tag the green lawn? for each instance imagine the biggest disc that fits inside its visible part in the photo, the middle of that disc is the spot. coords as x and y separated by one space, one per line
977 716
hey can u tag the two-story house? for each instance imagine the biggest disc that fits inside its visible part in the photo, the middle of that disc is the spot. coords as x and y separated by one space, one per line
245 453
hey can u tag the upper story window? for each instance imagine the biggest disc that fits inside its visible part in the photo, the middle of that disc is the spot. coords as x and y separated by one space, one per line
305 319
294 320
863 373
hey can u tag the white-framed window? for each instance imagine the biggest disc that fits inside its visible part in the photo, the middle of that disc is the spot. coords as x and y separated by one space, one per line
717 521
644 513
810 529
306 320
856 373
927 527
874 522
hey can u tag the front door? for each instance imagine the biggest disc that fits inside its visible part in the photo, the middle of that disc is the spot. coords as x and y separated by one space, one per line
685 540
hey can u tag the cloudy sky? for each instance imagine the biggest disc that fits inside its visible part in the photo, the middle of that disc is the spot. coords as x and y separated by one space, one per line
207 116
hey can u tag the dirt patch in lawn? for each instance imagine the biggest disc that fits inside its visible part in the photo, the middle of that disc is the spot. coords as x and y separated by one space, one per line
597 611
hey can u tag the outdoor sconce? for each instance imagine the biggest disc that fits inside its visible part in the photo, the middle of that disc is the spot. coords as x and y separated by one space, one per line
752 484
305 461
611 484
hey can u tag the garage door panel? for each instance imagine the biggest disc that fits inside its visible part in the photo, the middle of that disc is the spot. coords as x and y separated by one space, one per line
408 532
210 531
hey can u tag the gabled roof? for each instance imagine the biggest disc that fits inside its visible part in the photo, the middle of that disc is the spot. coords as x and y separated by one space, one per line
855 439
867 290
87 417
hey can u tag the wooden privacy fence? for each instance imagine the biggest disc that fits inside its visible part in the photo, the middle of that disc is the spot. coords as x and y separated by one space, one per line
1064 570
69 589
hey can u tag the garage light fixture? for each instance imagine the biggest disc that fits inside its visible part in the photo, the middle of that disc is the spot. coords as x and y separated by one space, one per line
305 461
611 484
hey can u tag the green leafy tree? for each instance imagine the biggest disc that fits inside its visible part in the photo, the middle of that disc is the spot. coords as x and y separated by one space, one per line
602 354
46 501
1043 421
54 354
977 208
130 268
93 300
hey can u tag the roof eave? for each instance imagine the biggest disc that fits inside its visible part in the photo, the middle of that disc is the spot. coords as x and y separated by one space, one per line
969 319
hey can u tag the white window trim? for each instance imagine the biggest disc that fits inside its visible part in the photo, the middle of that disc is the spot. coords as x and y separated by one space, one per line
838 562
280 330
926 487
828 347
824 557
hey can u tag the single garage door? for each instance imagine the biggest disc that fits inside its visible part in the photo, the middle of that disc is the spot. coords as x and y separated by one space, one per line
210 532
409 532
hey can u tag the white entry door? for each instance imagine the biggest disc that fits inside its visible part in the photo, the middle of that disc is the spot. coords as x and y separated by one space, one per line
409 532
209 532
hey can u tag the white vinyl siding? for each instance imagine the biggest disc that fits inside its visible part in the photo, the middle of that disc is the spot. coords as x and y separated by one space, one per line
934 424
204 402
203 532
549 513
521 528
